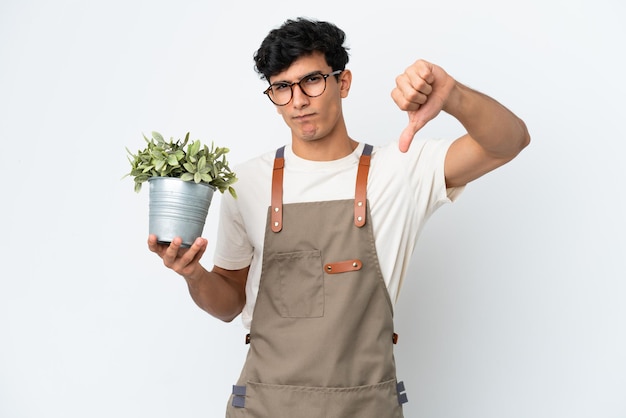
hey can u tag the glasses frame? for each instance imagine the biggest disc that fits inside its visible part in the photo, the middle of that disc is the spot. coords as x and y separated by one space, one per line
268 90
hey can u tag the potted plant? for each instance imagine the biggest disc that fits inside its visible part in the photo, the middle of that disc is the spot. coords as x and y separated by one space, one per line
182 176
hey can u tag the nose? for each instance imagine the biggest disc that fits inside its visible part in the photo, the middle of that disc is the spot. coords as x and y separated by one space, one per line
298 97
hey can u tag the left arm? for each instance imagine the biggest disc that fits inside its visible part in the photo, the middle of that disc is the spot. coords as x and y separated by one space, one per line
494 134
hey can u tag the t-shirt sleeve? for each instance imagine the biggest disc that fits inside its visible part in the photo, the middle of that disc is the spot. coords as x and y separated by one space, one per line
428 159
233 249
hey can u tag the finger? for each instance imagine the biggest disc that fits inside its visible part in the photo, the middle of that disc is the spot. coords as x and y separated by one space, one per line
418 85
152 243
401 100
171 252
406 137
195 252
190 261
422 70
410 95
419 77
416 122
156 247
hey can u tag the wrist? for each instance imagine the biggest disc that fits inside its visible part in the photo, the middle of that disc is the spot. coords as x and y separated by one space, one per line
455 100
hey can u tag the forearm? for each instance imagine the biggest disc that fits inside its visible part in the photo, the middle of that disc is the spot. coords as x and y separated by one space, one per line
496 129
221 295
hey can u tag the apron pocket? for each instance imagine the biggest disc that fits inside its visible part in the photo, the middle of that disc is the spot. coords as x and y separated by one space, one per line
301 291
283 401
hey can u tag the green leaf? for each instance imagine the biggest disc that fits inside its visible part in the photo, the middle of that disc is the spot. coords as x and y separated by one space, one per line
202 163
193 148
157 136
187 177
172 160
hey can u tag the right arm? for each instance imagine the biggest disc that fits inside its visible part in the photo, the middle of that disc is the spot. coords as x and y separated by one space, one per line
220 292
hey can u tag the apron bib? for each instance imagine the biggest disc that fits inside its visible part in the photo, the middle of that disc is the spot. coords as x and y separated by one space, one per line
321 337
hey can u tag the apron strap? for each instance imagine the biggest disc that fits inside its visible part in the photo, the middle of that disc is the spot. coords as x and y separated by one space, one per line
277 190
360 194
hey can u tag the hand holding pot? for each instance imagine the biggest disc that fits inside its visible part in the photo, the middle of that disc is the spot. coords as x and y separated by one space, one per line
184 261
222 293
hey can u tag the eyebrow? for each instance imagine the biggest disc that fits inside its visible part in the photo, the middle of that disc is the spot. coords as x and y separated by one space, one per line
301 78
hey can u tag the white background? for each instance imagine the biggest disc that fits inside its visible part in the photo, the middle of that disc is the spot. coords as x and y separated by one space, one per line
515 303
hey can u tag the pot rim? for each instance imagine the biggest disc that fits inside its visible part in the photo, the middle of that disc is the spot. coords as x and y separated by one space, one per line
203 183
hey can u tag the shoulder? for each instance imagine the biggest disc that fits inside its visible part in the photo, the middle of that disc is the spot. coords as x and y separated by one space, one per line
418 173
419 148
254 166
423 154
253 182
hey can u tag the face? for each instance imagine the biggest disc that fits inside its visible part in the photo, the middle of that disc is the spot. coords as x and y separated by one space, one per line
313 118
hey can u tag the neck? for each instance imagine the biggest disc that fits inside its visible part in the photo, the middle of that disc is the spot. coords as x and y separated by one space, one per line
323 150
335 145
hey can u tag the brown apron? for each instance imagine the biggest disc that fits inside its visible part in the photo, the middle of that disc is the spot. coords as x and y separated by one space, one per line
321 338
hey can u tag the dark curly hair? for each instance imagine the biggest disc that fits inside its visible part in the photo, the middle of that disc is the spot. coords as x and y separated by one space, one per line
297 38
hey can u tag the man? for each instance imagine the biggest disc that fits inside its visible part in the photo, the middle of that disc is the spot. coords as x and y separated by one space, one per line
315 248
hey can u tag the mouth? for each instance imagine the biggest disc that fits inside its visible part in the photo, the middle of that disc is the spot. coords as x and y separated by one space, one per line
303 118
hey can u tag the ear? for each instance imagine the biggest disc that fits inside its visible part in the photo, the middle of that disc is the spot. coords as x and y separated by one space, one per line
345 81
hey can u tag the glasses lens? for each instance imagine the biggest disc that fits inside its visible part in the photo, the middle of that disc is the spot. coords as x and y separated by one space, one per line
313 85
280 93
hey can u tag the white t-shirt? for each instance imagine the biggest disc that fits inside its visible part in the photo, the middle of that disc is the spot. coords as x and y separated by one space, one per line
403 190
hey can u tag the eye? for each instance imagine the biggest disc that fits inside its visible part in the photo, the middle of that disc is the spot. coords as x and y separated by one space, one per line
313 79
279 87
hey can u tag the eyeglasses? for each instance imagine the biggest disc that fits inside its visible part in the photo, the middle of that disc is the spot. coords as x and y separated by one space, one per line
312 85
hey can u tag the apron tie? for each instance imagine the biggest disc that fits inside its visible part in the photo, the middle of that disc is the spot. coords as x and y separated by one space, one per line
239 396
